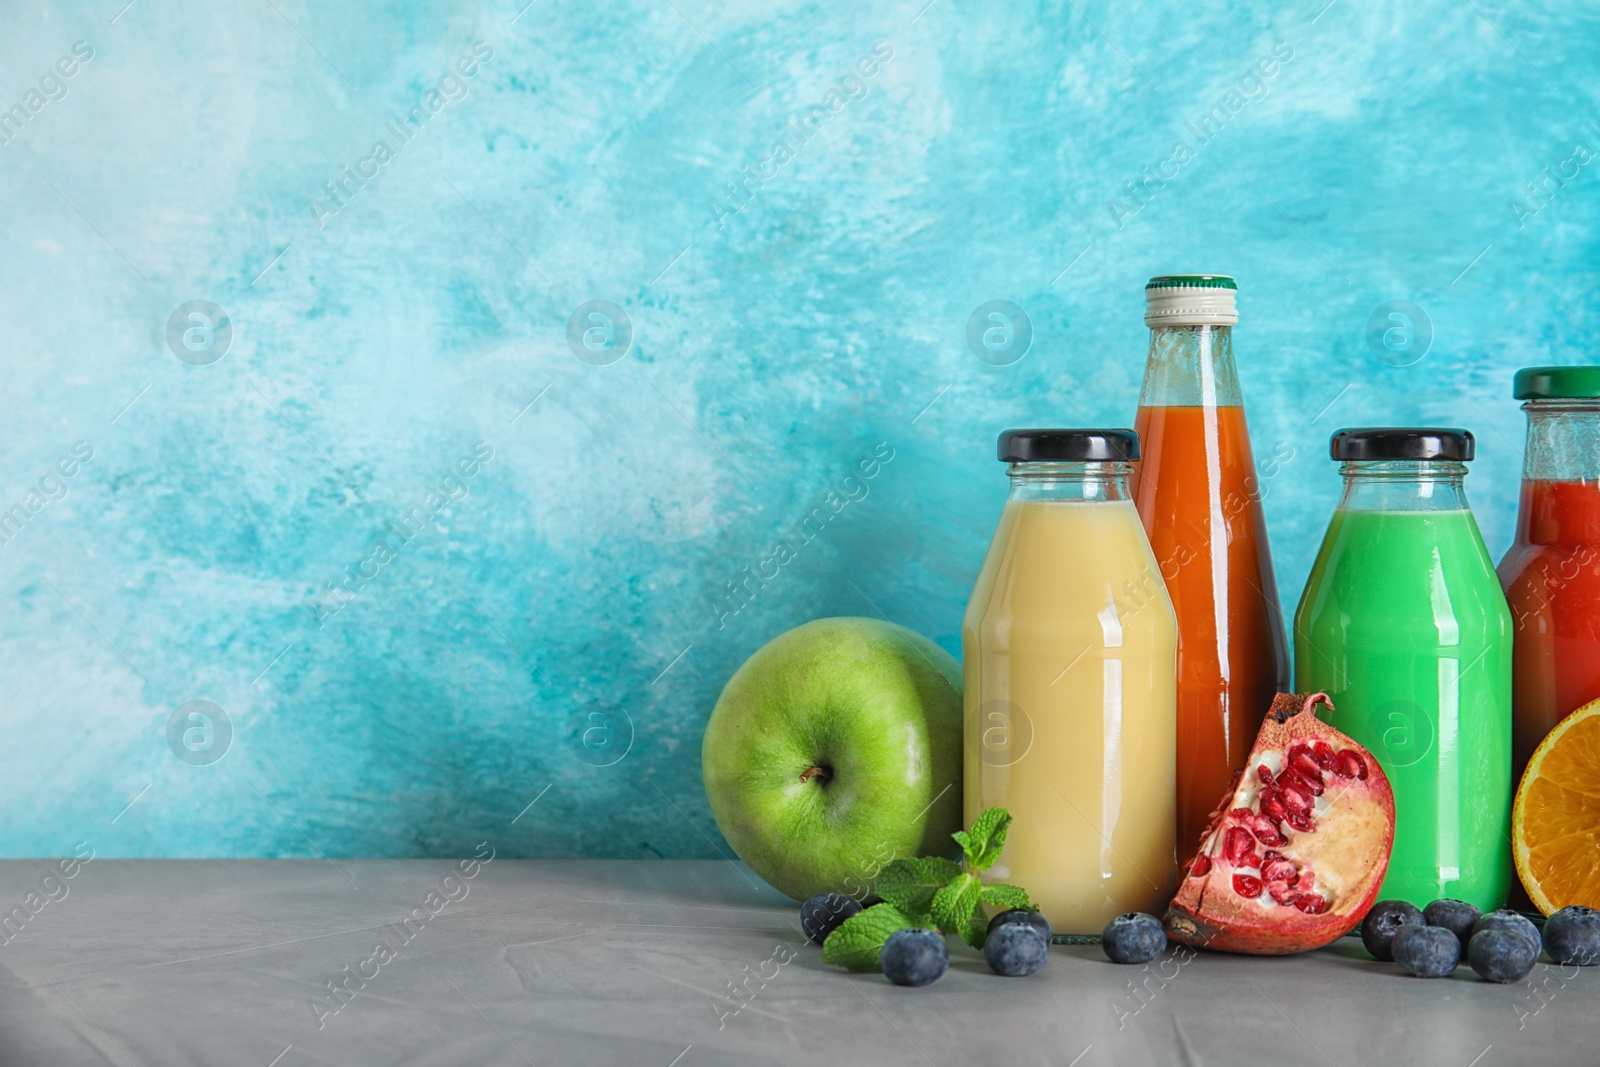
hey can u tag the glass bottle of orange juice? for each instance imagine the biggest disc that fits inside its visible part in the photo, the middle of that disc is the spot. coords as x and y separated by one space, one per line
1199 493
1070 647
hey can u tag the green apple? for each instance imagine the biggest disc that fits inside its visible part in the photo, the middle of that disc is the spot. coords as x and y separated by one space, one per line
835 749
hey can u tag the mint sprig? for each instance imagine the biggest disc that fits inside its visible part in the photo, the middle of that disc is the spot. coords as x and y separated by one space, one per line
961 909
931 891
857 943
955 909
983 842
911 884
1007 897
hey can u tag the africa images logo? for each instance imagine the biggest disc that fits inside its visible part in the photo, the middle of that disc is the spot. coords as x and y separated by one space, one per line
52 87
52 486
1252 86
800 130
453 487
451 88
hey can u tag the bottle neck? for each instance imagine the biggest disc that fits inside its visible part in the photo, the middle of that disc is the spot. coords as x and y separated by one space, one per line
1561 474
1563 441
1190 366
1404 485
1069 481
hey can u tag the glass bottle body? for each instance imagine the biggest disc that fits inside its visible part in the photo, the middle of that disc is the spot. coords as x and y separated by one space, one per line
1069 645
1199 495
1404 625
1551 574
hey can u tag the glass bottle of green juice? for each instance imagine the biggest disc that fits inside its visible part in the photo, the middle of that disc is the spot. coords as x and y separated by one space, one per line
1403 624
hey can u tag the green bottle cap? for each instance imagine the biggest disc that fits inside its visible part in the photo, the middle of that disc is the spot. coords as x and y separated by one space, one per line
1556 383
1190 300
1191 281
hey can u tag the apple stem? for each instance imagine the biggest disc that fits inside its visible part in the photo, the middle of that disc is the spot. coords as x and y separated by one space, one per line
816 772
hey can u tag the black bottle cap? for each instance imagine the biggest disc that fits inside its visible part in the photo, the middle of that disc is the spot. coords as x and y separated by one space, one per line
1068 446
1402 442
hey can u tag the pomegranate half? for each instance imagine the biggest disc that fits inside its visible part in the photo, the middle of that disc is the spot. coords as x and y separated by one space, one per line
1293 856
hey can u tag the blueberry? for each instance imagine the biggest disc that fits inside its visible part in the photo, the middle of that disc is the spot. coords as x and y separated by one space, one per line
1023 915
1425 951
1501 955
1457 916
1133 938
1378 928
823 913
1015 949
1505 919
1572 935
914 957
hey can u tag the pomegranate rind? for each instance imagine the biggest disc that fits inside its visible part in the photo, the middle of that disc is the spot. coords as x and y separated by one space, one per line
1346 851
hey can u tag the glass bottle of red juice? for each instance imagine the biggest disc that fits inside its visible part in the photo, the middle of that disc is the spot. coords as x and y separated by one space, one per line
1551 575
1199 497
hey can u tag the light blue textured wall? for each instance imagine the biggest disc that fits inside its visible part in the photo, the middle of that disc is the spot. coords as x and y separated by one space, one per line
378 337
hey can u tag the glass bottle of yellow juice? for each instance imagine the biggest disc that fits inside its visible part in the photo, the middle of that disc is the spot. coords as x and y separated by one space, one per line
1070 647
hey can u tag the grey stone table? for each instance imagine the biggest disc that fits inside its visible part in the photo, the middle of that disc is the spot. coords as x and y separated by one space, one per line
279 963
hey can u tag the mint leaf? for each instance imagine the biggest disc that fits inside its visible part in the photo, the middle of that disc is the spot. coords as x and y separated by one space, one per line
983 841
1007 896
931 891
857 943
910 884
955 904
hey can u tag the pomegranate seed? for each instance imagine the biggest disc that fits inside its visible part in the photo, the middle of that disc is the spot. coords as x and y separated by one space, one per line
1282 893
1306 766
1276 868
1201 866
1324 755
1263 773
1349 764
1311 904
1247 886
1239 847
1306 878
1299 748
1242 814
1272 805
1299 821
1296 799
1312 785
1266 830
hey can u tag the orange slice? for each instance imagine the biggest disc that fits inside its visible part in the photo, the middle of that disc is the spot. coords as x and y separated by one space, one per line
1555 823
